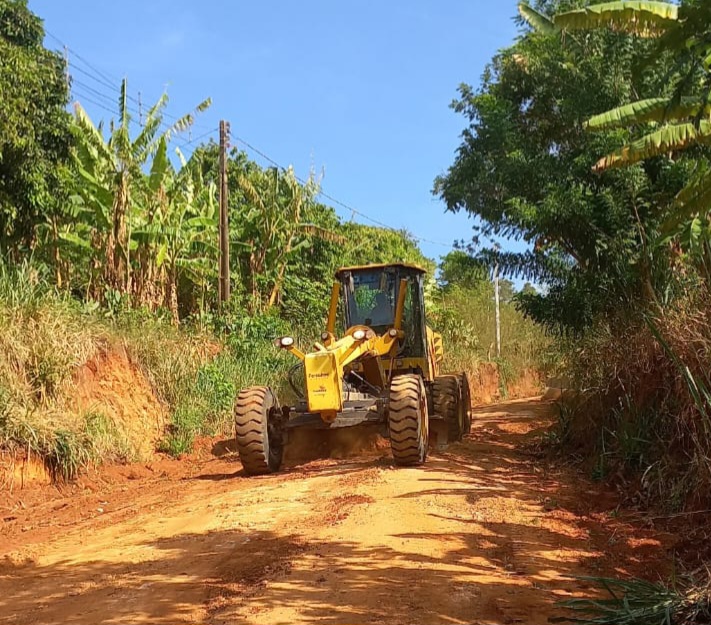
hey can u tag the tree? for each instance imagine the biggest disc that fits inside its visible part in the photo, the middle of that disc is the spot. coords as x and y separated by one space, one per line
181 231
34 128
525 169
112 184
670 122
462 270
369 244
274 230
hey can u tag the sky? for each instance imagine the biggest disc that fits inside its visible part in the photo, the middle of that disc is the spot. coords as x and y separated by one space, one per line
357 90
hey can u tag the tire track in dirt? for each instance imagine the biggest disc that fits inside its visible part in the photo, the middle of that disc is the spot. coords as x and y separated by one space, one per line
480 534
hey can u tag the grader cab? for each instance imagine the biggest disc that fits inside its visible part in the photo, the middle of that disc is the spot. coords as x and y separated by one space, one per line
383 370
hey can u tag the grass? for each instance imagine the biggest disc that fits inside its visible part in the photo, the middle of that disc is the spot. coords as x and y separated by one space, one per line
644 408
45 339
639 602
197 376
466 319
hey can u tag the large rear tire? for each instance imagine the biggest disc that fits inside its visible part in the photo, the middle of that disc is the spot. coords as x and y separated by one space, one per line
466 402
447 402
408 420
257 430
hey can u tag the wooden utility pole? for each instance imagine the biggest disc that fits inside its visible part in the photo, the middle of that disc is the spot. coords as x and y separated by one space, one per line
498 310
224 229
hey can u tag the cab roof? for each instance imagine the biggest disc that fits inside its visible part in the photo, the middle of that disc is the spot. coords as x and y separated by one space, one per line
411 267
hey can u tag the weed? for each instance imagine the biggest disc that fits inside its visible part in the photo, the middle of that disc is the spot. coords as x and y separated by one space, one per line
638 602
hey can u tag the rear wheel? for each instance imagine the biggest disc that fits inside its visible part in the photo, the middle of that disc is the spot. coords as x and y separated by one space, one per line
408 420
257 430
466 402
447 401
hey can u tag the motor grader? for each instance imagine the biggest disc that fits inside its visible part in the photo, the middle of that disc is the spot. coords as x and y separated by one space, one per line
385 369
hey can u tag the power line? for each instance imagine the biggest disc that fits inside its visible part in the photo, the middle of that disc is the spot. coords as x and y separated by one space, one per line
97 93
113 83
202 136
336 201
95 103
81 70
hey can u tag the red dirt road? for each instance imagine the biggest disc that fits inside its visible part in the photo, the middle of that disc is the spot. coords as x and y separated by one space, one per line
483 533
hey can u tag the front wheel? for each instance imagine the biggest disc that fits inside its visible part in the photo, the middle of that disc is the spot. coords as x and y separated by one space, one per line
257 430
408 420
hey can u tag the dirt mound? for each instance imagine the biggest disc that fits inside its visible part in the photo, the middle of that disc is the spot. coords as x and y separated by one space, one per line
485 383
112 386
20 470
309 445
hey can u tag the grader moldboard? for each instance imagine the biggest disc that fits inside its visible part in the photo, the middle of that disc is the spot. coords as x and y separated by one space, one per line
384 370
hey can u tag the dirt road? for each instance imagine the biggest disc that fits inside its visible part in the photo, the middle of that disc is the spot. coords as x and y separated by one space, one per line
483 533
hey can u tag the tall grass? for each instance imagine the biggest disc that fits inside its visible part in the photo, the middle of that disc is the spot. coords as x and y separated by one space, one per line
645 406
466 317
46 337
43 338
639 602
198 376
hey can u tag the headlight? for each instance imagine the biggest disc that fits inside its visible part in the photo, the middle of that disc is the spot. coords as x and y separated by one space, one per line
325 336
286 341
359 335
393 332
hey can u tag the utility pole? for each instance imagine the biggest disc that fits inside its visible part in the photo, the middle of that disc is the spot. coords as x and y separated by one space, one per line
224 229
498 310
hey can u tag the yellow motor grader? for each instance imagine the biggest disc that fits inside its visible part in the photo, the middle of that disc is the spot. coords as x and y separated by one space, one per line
383 370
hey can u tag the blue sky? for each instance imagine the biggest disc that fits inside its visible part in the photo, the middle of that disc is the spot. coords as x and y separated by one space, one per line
358 89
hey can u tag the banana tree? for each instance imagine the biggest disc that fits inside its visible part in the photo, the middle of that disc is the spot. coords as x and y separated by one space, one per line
112 182
274 229
674 122
183 228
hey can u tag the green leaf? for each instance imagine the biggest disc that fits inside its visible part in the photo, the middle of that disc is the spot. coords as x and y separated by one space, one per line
161 255
646 19
75 239
644 111
159 166
538 21
205 222
668 139
694 199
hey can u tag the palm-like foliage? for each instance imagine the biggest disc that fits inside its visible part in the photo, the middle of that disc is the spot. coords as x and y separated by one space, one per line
679 121
273 228
537 20
180 231
646 19
115 191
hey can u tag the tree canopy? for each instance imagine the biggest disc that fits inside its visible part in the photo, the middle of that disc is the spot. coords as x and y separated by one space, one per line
525 167
34 127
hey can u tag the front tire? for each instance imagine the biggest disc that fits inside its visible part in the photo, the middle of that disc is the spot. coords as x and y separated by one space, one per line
408 420
257 431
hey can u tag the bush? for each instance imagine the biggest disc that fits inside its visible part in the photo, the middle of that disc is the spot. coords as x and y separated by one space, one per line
466 318
645 404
